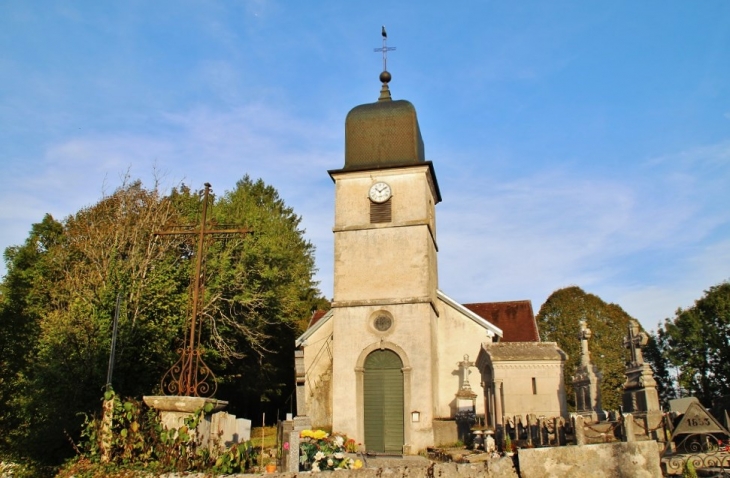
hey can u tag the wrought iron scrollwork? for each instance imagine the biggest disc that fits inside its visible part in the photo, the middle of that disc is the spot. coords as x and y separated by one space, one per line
189 376
704 451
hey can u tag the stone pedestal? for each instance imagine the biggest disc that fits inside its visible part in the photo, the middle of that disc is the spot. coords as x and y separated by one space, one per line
640 393
465 414
174 410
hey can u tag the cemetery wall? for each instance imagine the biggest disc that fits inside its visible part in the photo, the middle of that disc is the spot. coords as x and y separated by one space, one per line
636 459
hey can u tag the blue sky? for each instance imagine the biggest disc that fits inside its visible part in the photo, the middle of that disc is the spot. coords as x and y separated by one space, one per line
575 143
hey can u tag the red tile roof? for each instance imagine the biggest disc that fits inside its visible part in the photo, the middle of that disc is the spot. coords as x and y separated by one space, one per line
515 318
316 315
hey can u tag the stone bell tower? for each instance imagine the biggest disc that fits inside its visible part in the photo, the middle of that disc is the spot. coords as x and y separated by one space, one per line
385 280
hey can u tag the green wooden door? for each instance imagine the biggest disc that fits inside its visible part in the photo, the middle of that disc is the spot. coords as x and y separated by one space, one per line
383 399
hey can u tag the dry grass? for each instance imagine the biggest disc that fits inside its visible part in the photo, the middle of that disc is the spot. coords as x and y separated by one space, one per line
268 439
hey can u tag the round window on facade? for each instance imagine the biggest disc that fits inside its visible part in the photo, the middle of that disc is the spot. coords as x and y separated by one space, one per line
383 322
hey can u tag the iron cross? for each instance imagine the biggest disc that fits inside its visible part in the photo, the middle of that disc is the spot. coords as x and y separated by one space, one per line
189 376
385 48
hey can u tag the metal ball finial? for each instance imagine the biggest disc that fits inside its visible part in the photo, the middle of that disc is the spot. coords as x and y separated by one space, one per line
385 77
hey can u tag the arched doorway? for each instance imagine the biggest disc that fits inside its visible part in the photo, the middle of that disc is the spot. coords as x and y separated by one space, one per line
383 402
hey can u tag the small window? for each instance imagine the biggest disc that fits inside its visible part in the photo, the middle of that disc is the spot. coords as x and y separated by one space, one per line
534 386
380 212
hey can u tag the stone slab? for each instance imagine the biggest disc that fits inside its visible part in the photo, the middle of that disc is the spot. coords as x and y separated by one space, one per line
636 459
680 405
166 403
445 432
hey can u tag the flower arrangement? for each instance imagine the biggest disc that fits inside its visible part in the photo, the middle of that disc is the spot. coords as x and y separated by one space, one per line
351 446
318 451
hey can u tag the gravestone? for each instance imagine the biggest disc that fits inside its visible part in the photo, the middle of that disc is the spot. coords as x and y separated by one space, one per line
465 402
289 431
640 394
698 421
680 405
586 381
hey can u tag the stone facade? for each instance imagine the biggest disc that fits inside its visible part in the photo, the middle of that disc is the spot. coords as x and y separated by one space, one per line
430 365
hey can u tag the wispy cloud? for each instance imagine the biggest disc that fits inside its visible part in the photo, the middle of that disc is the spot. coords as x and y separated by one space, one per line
628 238
192 146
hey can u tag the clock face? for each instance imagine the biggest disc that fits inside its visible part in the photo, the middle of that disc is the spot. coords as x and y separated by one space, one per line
379 192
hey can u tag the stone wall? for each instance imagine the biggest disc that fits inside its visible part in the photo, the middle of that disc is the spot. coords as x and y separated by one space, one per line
629 460
635 460
502 468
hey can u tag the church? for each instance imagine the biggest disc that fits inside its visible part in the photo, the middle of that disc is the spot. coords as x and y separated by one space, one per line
385 365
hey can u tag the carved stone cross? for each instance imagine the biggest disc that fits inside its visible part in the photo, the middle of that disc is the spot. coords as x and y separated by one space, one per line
584 334
464 372
634 341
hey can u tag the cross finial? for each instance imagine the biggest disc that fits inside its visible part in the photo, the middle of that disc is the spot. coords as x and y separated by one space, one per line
635 339
584 334
385 48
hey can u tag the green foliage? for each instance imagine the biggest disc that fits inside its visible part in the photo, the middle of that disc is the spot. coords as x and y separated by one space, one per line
655 354
258 288
134 438
558 321
689 470
507 443
58 298
696 343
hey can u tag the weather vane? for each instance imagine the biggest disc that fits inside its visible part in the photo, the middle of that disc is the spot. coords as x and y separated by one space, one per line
385 48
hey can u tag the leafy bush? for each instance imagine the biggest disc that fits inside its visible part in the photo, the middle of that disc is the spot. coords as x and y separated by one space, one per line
134 437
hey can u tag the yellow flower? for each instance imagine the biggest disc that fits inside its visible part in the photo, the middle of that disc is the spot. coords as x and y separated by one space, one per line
316 434
319 434
357 465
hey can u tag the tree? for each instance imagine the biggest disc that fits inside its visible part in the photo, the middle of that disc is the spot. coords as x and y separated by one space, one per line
24 296
258 289
655 355
697 343
62 284
558 321
59 295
